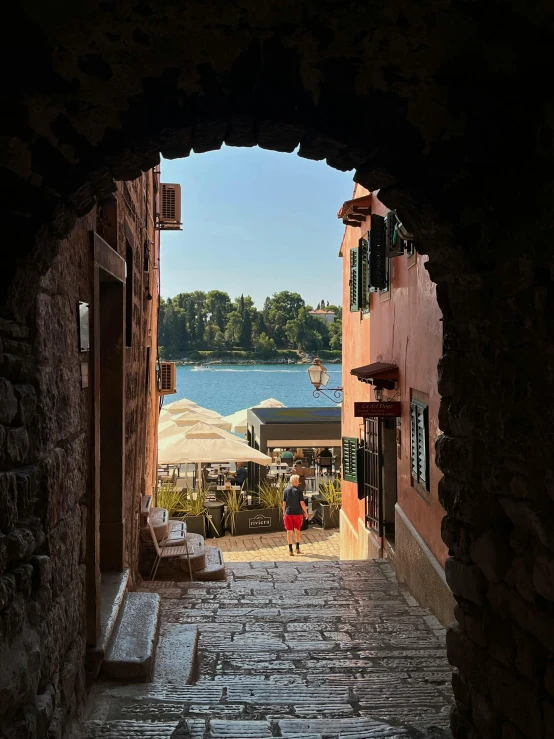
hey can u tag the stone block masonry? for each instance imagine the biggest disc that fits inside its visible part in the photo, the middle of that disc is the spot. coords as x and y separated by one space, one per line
433 105
290 649
48 454
41 553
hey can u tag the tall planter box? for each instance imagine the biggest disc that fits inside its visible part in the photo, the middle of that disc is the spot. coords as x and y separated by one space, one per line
196 524
329 519
255 520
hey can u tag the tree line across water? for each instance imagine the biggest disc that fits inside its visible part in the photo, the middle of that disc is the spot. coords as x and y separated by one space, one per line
212 321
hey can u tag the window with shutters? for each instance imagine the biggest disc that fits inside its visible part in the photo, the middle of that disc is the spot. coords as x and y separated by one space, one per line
419 427
372 475
395 244
354 280
363 272
378 260
386 288
350 458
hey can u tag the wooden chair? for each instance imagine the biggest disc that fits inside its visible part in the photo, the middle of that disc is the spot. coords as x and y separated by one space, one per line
165 552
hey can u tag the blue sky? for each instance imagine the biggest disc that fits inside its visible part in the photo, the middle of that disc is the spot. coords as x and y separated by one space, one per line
255 222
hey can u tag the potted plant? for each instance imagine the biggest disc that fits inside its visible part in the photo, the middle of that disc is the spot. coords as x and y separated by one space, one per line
234 503
271 500
328 504
195 512
172 499
262 515
186 504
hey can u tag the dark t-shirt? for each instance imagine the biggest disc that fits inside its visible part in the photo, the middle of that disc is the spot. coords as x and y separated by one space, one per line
241 475
292 497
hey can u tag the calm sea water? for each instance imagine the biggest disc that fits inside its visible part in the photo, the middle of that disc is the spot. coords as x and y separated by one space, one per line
229 388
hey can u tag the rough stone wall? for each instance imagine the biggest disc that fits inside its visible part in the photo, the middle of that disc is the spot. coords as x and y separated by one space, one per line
136 227
442 108
496 453
46 452
44 468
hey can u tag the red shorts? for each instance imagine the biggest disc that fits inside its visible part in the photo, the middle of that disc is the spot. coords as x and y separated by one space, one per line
293 522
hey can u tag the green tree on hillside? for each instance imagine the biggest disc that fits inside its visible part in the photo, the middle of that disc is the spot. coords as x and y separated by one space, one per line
335 335
199 320
245 339
264 346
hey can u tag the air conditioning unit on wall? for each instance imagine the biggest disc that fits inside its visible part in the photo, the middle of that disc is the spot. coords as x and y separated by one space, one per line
169 217
167 378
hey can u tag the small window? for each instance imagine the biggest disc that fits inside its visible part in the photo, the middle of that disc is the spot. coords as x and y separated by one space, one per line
350 458
378 259
354 280
419 425
363 275
386 287
129 295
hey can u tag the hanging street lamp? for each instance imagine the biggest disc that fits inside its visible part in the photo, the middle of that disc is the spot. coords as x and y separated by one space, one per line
319 378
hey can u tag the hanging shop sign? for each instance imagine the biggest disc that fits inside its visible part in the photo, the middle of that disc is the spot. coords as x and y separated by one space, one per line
385 409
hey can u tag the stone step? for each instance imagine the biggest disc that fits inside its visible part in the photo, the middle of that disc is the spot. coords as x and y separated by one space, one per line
112 591
177 655
159 518
198 559
350 728
214 568
131 651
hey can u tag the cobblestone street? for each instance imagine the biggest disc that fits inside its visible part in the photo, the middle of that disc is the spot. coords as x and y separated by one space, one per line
317 545
297 649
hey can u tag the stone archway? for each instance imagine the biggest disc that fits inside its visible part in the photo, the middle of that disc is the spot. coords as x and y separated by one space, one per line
442 111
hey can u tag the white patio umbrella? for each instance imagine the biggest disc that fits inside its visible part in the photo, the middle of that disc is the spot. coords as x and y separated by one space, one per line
172 431
180 405
200 415
205 443
238 419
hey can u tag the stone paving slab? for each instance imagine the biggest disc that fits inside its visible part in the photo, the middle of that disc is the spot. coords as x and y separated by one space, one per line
302 651
318 545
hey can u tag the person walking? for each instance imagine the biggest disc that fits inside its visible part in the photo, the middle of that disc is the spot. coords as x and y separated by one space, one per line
294 510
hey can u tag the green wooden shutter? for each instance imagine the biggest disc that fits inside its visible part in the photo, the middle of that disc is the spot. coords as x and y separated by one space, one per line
360 470
377 255
413 431
363 270
354 279
350 458
419 423
395 245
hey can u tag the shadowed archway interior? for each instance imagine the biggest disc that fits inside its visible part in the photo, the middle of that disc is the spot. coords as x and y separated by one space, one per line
440 107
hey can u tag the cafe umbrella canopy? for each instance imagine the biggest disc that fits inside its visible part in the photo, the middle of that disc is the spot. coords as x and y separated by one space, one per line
180 405
200 415
170 435
238 420
206 443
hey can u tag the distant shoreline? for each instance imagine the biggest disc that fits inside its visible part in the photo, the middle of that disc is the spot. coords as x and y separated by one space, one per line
246 362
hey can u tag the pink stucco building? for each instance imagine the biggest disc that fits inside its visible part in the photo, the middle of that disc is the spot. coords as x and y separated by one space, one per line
392 342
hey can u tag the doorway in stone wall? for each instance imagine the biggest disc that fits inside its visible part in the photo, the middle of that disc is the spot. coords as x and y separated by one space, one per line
106 574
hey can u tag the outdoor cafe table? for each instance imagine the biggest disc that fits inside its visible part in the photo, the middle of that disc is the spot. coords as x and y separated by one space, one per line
220 488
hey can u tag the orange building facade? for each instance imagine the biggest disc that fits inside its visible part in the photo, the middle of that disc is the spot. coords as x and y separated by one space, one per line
392 342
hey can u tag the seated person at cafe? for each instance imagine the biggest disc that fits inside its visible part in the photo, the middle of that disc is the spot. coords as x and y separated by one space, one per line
287 456
241 474
299 454
325 452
